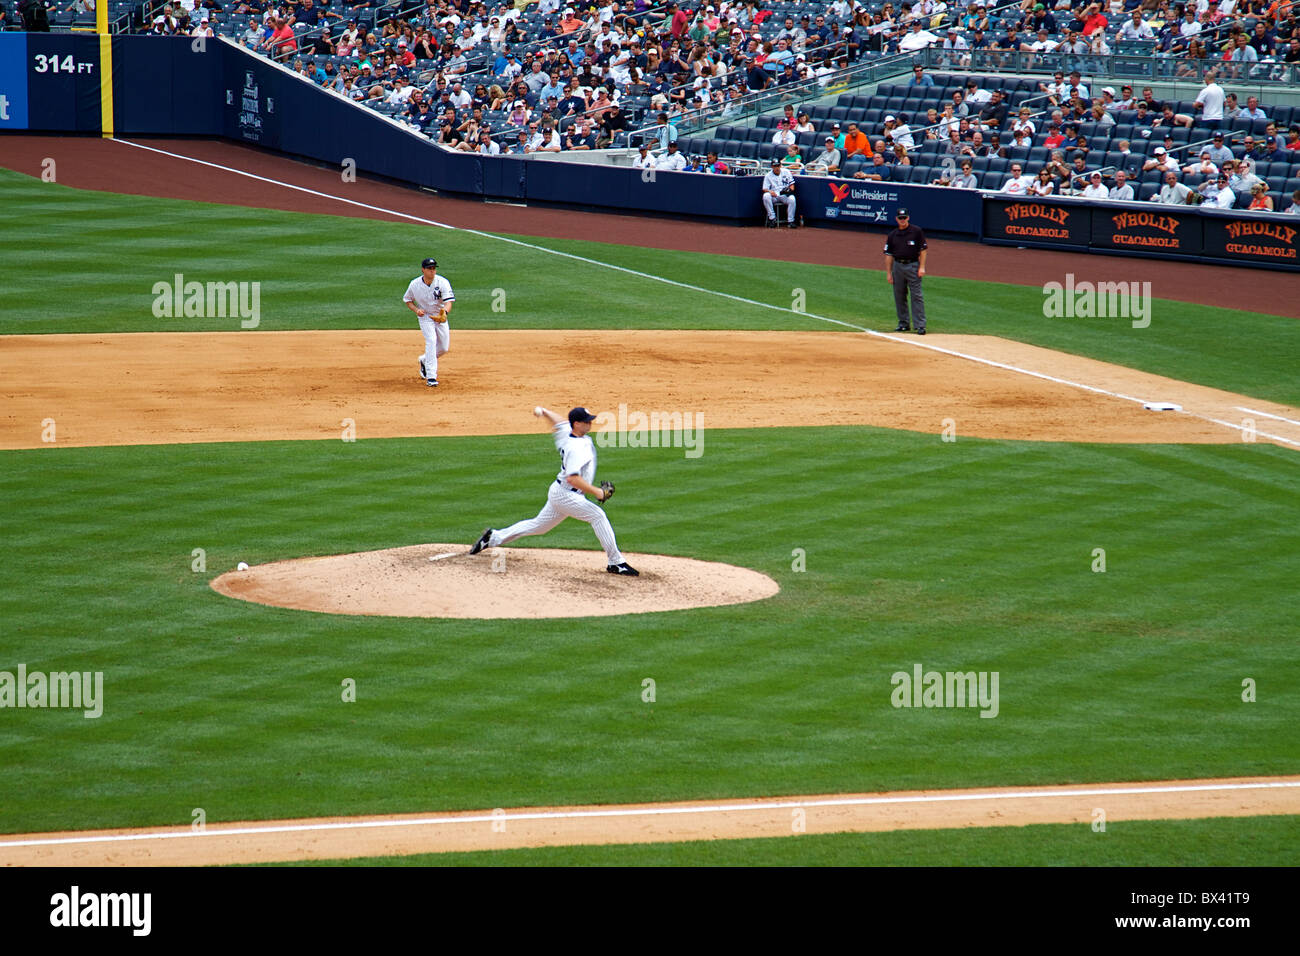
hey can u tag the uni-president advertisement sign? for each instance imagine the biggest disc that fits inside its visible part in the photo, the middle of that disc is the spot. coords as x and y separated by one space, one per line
861 202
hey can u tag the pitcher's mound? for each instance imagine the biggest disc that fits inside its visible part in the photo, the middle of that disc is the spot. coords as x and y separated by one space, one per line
444 580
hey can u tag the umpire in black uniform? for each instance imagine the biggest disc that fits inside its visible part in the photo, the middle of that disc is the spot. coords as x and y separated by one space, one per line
904 267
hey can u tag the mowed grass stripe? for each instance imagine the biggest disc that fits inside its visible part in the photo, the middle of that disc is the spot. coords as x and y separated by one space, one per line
966 556
510 286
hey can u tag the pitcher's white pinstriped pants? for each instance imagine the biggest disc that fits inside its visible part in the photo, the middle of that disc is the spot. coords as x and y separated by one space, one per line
563 502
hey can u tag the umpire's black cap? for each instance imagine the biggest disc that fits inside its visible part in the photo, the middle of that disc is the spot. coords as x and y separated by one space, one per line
430 263
580 414
902 213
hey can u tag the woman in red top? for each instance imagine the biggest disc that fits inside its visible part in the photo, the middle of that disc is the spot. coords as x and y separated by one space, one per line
1262 201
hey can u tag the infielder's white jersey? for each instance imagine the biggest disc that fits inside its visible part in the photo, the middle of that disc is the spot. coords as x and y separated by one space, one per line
429 297
778 181
577 455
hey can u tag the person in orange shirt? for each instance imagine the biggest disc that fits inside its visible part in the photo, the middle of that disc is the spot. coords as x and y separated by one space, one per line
856 142
570 22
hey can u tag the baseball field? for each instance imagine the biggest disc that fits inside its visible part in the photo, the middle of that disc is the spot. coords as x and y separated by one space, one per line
992 500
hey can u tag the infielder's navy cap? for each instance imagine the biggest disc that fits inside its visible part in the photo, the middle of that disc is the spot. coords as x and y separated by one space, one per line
902 213
580 414
429 264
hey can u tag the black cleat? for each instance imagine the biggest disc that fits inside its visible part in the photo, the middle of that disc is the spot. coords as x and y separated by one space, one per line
920 331
903 328
482 542
623 568
432 383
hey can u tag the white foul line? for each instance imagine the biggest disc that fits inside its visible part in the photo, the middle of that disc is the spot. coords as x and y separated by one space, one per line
652 812
1289 421
693 288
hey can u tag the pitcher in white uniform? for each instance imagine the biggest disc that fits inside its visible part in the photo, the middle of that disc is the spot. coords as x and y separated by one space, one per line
430 297
566 497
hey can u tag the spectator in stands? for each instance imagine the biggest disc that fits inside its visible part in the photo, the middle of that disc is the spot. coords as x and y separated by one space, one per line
828 157
1121 191
569 23
673 159
792 160
1100 116
613 123
1057 91
917 39
955 50
959 107
1242 180
1017 183
878 171
1216 192
784 135
994 115
1294 209
1043 185
919 79
1217 151
1095 189
976 97
856 142
1054 138
1060 171
1168 119
581 136
1252 110
898 156
715 165
1136 28
902 132
1076 85
1173 193
1204 166
1160 161
1210 102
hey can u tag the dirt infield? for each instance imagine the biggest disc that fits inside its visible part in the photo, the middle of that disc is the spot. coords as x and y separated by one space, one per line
445 580
164 388
116 166
329 838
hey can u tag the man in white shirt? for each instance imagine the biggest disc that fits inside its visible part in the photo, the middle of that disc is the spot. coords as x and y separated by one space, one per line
918 39
1018 184
1210 102
672 160
1190 27
1172 193
1136 28
645 159
1217 194
1095 189
460 97
1121 191
975 96
778 186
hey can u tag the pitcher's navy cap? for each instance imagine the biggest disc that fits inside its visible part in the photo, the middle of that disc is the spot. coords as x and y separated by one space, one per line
580 414
429 263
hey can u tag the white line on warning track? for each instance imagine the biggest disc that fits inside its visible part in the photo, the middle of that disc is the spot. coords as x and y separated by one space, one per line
653 812
915 343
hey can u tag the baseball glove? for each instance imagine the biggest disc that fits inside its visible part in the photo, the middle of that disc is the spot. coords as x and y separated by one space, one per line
607 489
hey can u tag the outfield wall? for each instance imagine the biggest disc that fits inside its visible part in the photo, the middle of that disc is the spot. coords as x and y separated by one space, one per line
167 86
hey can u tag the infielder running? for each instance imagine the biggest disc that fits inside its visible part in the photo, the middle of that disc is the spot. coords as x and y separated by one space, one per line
567 495
430 297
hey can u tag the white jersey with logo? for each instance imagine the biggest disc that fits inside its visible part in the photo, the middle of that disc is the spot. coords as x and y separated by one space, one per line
430 298
577 455
778 181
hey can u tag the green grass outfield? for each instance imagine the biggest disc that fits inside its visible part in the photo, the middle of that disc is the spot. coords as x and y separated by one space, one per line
1222 841
974 555
332 272
969 556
